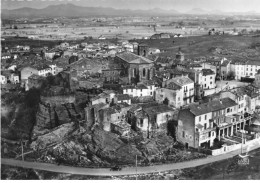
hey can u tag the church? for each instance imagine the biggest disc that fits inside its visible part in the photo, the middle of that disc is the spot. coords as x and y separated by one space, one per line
136 67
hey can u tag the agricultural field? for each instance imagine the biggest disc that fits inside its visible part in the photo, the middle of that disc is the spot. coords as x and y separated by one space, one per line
196 46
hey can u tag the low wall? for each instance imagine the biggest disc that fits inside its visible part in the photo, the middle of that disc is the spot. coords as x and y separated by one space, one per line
226 149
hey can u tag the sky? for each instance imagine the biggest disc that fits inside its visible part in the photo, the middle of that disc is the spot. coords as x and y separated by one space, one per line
179 5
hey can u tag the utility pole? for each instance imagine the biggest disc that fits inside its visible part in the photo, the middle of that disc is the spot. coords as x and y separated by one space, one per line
22 150
136 167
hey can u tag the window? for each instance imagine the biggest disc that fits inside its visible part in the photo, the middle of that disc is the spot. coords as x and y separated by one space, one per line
228 110
197 130
211 76
183 134
200 118
212 134
205 125
143 72
190 137
209 134
151 93
205 116
141 122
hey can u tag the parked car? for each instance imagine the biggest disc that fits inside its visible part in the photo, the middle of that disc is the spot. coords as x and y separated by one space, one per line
116 168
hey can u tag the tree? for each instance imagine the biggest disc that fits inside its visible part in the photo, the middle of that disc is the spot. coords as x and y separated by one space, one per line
231 75
217 144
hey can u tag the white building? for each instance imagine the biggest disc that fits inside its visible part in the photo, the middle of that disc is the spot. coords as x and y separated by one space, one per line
180 90
239 96
208 79
12 67
3 79
44 70
141 89
245 69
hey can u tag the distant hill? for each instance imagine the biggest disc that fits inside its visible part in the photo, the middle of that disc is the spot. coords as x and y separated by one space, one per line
197 11
71 10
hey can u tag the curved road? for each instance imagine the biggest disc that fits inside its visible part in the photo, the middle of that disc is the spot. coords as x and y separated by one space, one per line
124 171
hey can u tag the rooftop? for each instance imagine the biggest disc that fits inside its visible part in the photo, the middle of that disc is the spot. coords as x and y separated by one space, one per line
181 81
132 58
206 72
41 67
34 76
157 109
139 86
121 97
205 108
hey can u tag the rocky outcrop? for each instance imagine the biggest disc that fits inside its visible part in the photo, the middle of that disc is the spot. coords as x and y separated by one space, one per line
52 112
57 135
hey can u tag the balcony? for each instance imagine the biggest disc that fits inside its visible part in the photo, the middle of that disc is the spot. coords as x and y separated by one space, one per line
206 130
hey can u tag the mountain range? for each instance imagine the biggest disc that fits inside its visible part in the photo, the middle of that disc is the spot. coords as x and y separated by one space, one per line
71 10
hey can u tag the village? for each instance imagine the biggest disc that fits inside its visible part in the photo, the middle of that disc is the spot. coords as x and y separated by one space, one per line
121 97
101 105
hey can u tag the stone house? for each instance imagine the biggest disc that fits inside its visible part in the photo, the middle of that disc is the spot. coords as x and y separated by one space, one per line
106 97
200 124
121 128
239 96
183 95
225 69
195 128
26 72
123 98
150 119
35 81
208 79
252 98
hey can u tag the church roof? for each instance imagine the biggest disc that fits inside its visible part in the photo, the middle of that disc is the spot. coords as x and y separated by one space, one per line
133 58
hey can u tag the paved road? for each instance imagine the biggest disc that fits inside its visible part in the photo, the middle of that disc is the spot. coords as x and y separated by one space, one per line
125 171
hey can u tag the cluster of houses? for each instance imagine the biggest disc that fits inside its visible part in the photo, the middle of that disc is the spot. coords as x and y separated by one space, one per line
145 92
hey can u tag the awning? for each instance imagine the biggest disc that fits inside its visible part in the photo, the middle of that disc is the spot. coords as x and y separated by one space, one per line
199 126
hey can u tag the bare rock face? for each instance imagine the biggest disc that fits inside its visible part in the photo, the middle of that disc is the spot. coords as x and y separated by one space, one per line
53 112
57 135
